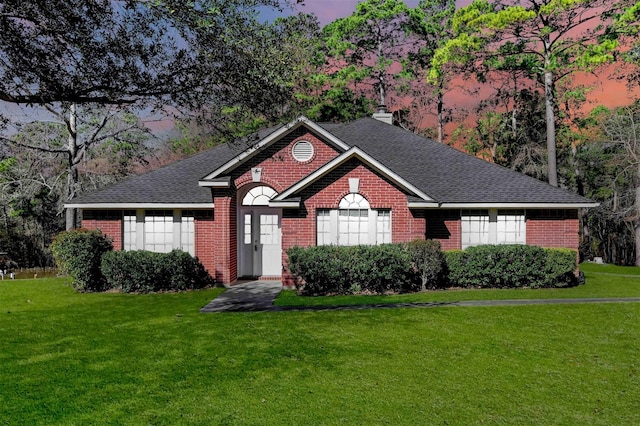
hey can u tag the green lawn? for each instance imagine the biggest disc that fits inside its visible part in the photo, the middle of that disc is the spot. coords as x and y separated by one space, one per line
70 358
601 281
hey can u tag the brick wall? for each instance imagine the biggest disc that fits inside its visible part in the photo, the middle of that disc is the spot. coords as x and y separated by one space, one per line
204 240
224 241
553 228
107 221
545 228
279 169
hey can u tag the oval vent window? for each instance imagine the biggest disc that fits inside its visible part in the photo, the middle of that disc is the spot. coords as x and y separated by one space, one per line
302 151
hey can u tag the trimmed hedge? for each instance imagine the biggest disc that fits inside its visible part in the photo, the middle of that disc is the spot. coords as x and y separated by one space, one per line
421 265
145 271
78 253
322 270
429 263
511 266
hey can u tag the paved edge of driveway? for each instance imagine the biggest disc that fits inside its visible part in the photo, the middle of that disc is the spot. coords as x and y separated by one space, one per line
258 296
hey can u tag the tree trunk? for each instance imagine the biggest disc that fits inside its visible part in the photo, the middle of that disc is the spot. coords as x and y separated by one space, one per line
440 101
551 127
72 166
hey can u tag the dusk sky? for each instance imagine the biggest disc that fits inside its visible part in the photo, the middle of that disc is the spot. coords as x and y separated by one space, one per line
329 10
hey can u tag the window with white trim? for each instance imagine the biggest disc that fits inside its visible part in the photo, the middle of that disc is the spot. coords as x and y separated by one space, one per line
158 230
493 227
259 196
475 228
188 232
383 227
129 234
353 220
511 227
353 223
323 223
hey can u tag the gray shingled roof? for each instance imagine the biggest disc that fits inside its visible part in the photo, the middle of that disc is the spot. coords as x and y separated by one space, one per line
444 173
175 183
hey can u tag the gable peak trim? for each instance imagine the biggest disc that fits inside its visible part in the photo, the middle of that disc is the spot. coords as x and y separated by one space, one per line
353 152
270 139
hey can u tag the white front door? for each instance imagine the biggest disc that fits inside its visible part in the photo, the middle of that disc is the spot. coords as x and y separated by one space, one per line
260 242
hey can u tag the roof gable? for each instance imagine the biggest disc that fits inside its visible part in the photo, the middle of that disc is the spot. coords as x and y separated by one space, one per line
285 198
226 168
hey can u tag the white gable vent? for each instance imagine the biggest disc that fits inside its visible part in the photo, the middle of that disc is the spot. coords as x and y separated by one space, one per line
302 151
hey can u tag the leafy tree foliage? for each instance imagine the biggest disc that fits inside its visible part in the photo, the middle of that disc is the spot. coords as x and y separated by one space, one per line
621 143
550 39
430 24
365 46
122 52
66 54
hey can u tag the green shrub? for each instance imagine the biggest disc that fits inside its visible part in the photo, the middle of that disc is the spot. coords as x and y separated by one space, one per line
429 263
325 270
562 266
78 253
510 266
145 271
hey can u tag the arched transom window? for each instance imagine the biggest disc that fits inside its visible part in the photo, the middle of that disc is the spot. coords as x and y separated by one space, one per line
259 196
353 223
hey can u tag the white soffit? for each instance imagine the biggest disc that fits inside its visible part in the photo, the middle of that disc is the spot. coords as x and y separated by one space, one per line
120 206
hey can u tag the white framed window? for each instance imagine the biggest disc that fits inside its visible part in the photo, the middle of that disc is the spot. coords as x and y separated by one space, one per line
188 232
353 220
511 227
259 196
353 223
383 227
158 230
323 226
493 227
129 230
475 228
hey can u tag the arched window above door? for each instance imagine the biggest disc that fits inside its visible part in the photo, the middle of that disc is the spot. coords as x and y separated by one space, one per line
259 196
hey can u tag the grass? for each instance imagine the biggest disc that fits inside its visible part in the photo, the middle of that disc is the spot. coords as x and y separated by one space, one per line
601 281
70 358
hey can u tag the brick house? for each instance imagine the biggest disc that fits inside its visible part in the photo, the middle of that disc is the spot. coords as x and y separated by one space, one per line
239 207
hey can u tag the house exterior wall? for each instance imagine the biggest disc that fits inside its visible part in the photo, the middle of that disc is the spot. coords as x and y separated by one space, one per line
444 226
107 221
553 228
110 223
299 226
205 240
545 228
225 252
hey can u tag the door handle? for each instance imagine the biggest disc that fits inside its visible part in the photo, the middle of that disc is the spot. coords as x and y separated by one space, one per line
255 245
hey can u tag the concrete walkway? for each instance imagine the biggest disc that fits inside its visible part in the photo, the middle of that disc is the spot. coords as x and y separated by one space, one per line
251 296
259 296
